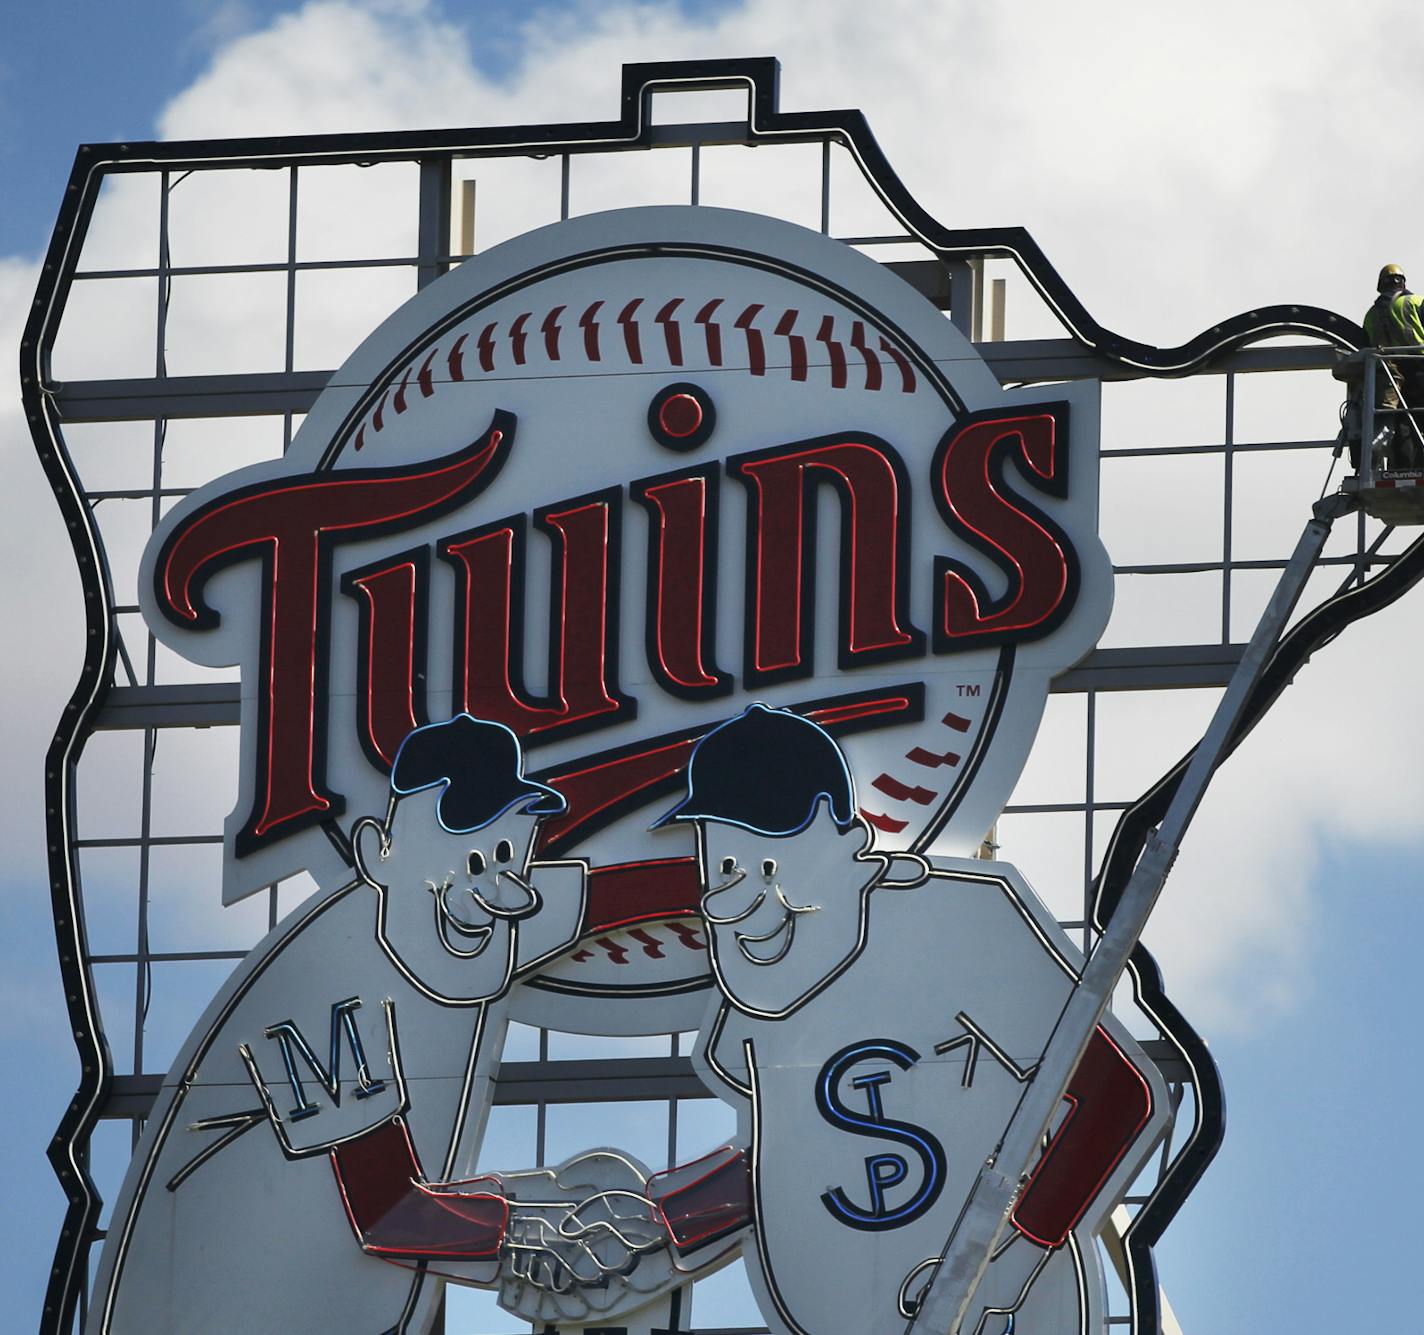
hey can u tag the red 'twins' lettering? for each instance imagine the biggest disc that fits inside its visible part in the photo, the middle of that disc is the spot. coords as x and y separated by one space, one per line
1037 559
583 619
869 479
291 529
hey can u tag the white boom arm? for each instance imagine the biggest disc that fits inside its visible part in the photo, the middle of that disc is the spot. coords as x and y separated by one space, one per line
986 1213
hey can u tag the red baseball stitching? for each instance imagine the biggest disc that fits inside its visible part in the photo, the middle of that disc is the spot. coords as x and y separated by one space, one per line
511 341
650 942
913 792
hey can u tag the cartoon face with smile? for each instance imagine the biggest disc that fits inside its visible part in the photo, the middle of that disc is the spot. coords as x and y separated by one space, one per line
489 887
451 861
785 867
783 912
732 861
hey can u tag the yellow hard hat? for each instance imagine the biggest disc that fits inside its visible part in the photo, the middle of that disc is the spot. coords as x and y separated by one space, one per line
1390 276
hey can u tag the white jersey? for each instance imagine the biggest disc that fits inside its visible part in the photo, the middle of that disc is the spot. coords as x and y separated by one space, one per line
231 1218
870 1109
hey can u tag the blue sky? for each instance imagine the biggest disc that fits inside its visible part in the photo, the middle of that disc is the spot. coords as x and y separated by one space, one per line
74 73
77 72
1218 170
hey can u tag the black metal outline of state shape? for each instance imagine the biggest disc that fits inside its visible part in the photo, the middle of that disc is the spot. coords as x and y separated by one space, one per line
631 130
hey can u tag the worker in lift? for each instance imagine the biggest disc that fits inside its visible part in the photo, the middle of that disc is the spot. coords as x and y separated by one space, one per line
1395 321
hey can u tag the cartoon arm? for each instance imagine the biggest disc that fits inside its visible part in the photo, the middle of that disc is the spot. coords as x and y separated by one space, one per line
395 1215
704 1201
560 1245
646 891
1110 1103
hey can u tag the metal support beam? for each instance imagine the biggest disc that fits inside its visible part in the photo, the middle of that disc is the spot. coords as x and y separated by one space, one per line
260 394
187 705
433 231
621 1080
961 291
272 393
132 1096
1151 669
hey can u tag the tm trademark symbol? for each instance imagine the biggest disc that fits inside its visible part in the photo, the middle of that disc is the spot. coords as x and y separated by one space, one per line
970 688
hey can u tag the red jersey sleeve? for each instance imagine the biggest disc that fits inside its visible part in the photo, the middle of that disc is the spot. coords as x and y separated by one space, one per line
1110 1102
396 1216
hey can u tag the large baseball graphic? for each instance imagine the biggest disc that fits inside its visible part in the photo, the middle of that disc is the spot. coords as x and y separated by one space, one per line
609 483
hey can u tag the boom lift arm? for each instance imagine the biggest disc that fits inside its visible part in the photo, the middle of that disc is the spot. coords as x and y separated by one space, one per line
1000 1182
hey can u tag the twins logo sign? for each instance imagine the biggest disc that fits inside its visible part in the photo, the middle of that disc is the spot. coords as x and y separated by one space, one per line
642 629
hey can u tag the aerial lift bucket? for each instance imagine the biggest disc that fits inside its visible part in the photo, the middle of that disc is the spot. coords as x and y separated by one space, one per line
1389 479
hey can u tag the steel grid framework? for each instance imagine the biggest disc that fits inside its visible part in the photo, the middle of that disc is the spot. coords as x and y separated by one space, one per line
132 697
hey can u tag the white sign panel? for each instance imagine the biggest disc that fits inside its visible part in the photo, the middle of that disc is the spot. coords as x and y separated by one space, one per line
642 629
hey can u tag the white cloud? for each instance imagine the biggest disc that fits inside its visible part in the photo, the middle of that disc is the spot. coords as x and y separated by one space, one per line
1177 165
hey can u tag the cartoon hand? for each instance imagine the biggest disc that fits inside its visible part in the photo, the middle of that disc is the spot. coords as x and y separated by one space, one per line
556 1247
582 1240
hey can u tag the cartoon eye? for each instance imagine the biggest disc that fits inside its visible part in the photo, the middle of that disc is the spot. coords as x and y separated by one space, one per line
768 867
729 865
504 851
477 862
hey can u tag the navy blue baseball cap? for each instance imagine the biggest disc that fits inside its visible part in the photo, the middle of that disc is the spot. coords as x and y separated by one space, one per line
480 767
766 770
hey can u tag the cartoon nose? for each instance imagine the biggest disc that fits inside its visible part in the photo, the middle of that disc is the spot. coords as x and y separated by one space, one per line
510 896
732 903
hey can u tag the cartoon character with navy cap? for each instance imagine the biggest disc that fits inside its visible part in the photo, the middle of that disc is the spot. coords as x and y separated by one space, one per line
451 863
786 861
876 1019
369 1024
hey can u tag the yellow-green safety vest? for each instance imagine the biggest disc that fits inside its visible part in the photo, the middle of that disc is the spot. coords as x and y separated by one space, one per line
1396 323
